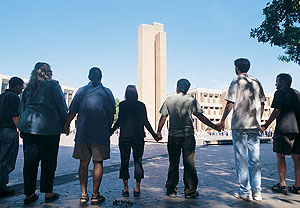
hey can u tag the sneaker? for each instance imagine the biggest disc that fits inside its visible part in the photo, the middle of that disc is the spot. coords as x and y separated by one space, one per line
171 194
257 195
246 197
192 195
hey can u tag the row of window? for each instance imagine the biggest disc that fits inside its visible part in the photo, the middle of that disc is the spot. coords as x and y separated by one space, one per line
210 95
211 107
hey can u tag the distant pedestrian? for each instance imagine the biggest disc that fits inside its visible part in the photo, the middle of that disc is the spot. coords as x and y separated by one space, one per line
44 111
95 106
286 139
9 137
132 119
180 108
246 96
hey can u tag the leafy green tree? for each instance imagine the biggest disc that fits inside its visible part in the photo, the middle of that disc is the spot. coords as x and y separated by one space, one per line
281 27
117 109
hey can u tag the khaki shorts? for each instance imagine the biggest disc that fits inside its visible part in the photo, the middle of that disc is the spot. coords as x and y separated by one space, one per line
84 151
286 143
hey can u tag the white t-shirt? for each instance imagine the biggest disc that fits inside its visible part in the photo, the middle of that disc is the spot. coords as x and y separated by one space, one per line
247 95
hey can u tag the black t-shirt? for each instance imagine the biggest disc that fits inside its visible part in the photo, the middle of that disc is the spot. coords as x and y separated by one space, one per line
287 100
9 107
132 119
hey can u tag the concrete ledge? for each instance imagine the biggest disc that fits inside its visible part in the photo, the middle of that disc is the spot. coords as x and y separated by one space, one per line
229 141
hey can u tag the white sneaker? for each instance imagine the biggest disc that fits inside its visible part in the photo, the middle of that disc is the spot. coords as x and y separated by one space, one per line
257 195
246 197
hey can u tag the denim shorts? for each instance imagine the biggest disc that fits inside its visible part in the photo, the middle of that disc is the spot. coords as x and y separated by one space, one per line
286 143
84 151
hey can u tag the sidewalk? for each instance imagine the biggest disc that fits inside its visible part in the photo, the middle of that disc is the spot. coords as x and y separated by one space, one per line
216 173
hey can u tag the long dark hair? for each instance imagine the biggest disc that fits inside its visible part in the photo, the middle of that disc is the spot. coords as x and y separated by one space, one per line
39 74
131 94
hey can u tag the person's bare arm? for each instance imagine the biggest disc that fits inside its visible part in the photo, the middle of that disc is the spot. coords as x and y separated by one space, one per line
205 120
262 110
150 129
70 117
272 117
111 120
161 123
228 107
16 120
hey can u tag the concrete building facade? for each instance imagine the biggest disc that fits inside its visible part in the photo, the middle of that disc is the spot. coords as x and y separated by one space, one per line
152 68
213 104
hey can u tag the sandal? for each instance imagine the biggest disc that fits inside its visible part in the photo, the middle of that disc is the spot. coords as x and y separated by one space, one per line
279 188
136 193
31 199
52 198
97 199
84 199
294 190
125 193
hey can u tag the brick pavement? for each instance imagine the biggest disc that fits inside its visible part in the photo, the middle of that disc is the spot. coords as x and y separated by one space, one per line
217 181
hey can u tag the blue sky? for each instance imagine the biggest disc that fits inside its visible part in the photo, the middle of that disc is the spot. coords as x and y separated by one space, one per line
203 40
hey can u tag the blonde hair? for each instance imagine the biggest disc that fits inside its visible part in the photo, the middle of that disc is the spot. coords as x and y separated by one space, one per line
39 74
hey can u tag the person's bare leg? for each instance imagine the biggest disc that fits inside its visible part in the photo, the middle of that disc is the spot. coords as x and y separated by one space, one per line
281 168
137 186
296 159
97 176
83 176
125 189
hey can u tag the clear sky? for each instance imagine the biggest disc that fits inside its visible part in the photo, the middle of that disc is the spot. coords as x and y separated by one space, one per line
204 37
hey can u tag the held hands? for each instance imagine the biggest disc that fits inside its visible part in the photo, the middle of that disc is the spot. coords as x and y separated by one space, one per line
263 128
220 126
158 136
67 129
111 131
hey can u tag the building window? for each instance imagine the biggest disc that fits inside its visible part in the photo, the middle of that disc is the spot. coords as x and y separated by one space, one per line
68 96
4 85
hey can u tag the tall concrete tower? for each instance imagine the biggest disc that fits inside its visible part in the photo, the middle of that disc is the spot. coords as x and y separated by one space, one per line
152 69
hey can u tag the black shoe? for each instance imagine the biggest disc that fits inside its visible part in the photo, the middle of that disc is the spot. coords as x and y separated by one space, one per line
31 199
8 191
136 193
192 195
52 198
125 193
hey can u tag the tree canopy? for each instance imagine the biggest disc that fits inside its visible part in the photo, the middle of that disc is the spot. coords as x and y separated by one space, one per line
281 27
117 110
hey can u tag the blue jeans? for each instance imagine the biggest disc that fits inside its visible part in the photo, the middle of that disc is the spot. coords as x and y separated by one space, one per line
9 147
246 146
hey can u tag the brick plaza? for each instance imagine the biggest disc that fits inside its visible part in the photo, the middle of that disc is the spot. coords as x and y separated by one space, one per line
214 164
